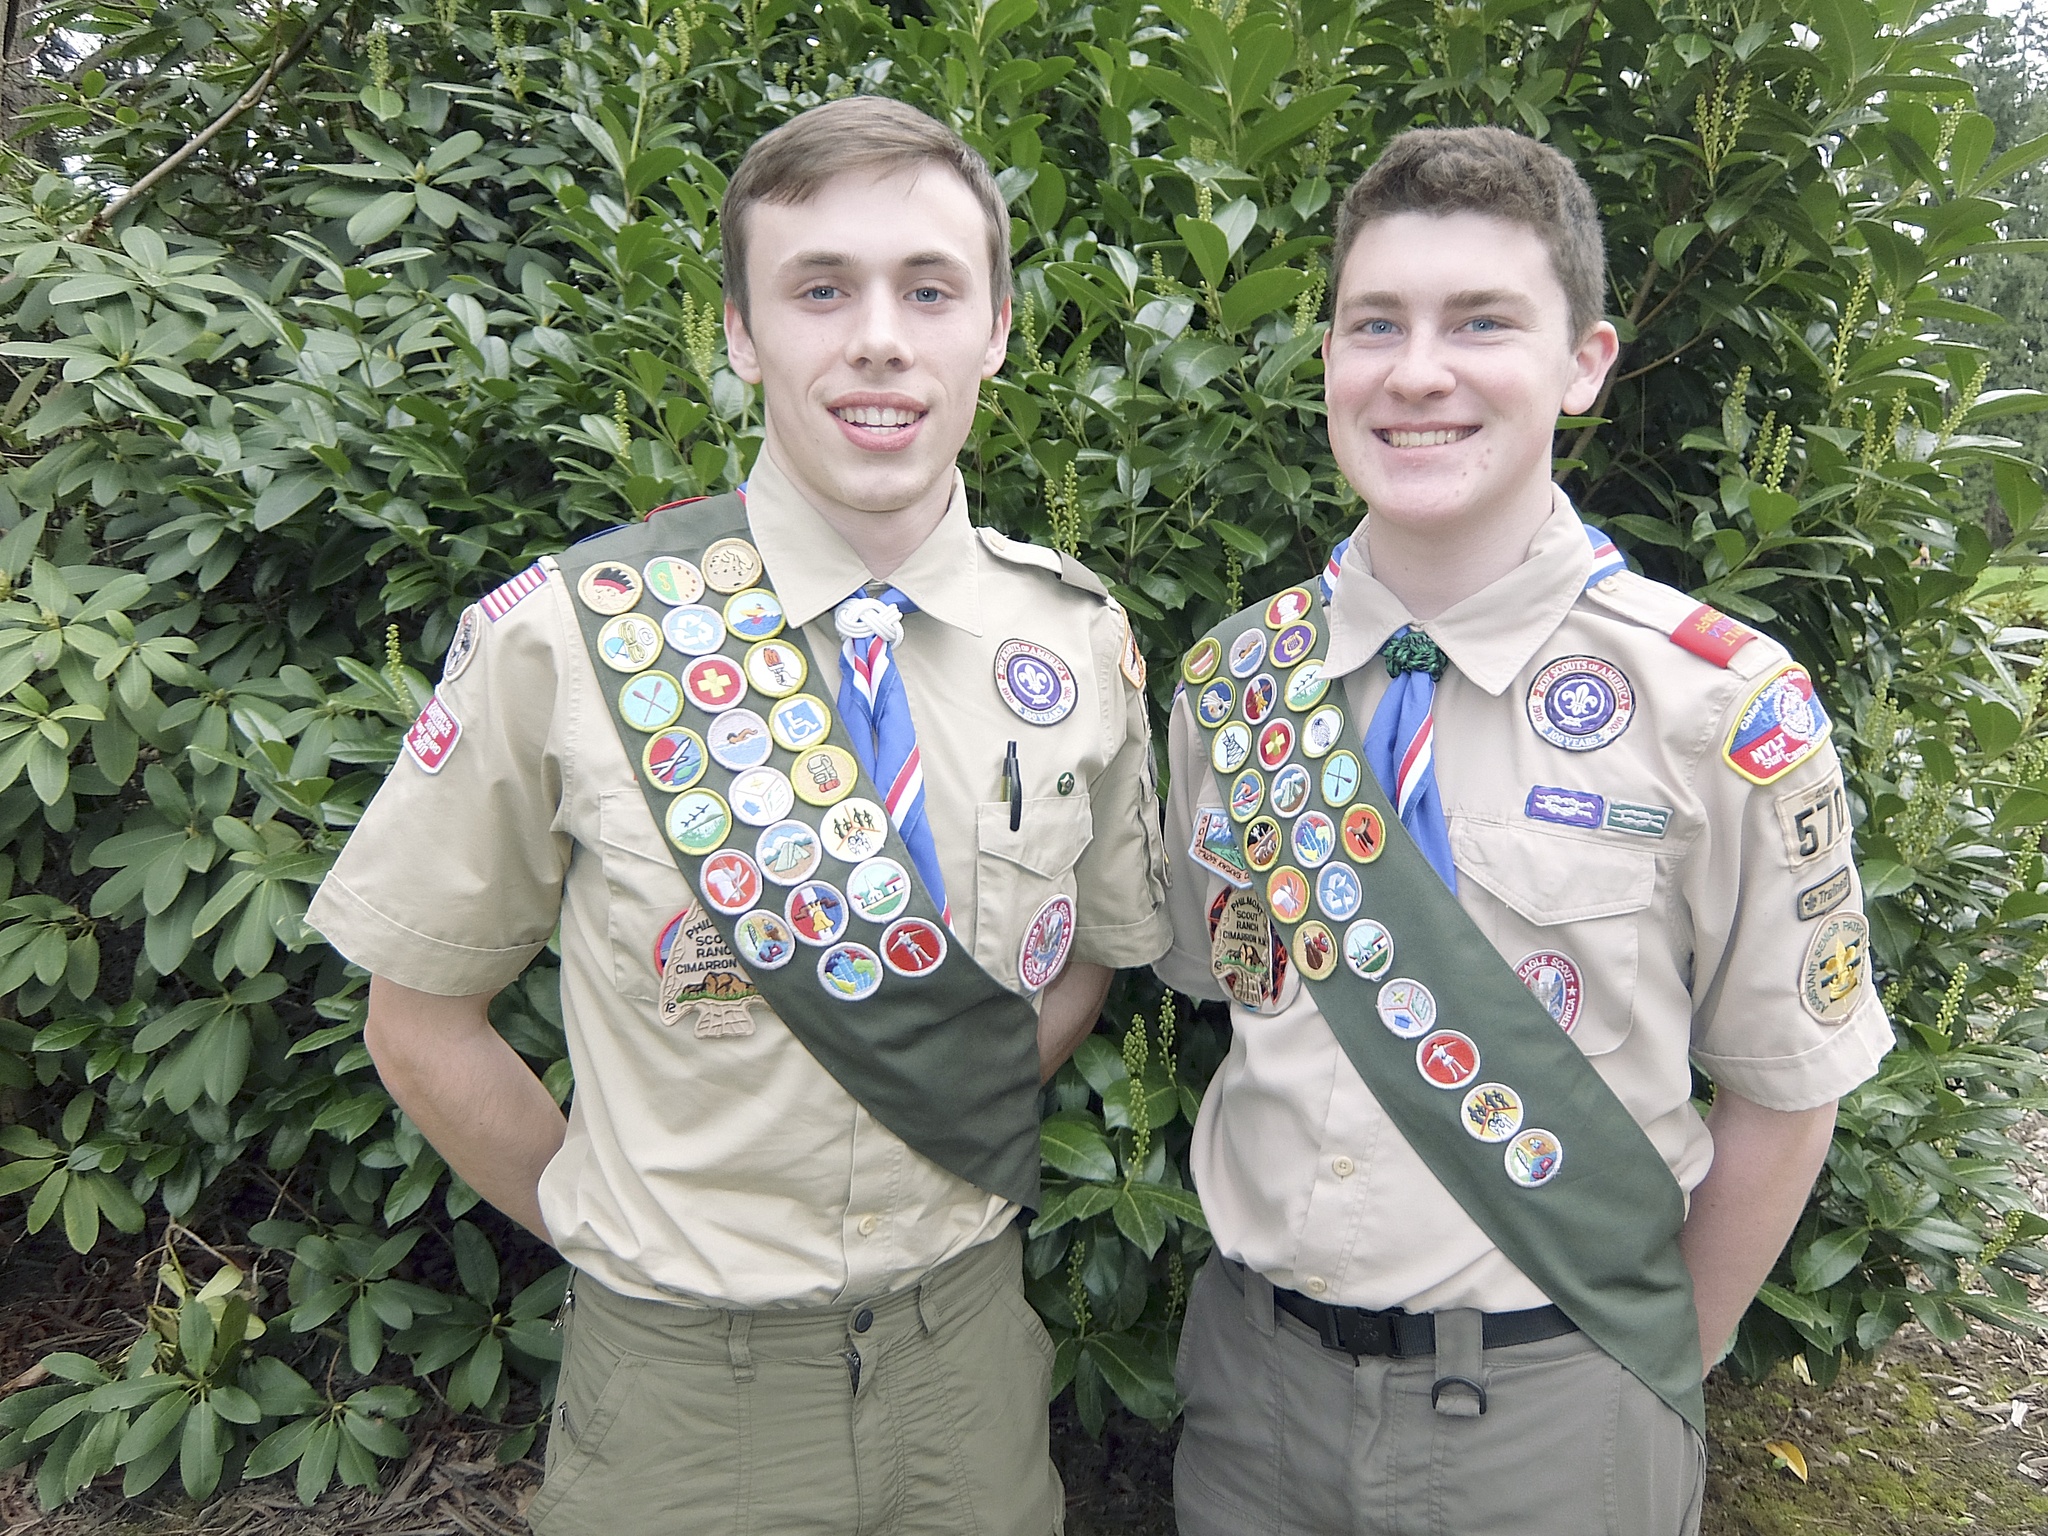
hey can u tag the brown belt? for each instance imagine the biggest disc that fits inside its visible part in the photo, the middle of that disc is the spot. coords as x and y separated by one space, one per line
1402 1335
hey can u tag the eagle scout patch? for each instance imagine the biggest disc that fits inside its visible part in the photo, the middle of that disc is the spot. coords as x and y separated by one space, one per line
1580 703
698 971
1831 975
1566 807
1821 899
1554 980
501 600
1814 821
1036 684
1048 938
433 736
1711 635
1780 727
1214 847
462 649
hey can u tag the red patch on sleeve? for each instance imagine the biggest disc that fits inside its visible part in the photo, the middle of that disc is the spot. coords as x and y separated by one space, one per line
1711 635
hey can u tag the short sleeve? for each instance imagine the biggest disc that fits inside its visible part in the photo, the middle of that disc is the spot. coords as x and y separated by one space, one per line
1120 878
1185 967
452 882
1785 1009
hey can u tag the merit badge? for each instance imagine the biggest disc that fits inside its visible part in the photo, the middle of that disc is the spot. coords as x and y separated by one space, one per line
462 649
1231 748
433 736
1566 807
1832 975
1293 643
761 796
777 668
824 775
1711 635
1214 847
1290 789
1780 727
698 821
1215 702
1199 665
1339 893
731 565
1133 662
799 720
913 946
1247 794
673 580
731 882
1260 694
609 587
1407 1008
1321 731
1243 949
1287 607
1306 686
788 852
673 759
1314 839
854 830
693 631
1643 820
1369 951
1819 900
1580 703
764 940
1034 682
714 683
1262 843
502 599
754 614
1315 950
1815 821
650 701
878 890
1447 1059
1246 652
698 971
629 643
1276 743
1340 779
1491 1112
738 739
1553 979
816 912
1365 833
1533 1158
1287 894
849 972
1047 939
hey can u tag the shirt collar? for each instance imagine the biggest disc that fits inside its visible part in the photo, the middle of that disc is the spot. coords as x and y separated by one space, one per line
1489 636
814 569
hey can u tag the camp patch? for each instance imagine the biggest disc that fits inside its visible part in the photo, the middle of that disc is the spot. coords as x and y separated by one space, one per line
1780 727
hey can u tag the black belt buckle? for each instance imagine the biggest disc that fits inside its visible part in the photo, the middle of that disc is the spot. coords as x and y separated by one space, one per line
1360 1332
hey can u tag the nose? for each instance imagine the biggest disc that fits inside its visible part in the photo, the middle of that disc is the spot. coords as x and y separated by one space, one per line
878 337
1420 369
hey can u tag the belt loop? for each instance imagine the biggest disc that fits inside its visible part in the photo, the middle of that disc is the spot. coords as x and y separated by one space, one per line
736 1326
1258 1301
1457 1392
928 1310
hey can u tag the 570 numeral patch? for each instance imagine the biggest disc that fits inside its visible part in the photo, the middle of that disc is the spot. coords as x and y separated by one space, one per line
1813 820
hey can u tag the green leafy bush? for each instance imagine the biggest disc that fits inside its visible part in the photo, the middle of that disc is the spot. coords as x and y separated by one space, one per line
446 298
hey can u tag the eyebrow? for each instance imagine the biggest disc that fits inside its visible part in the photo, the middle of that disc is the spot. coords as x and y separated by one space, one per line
838 261
1471 298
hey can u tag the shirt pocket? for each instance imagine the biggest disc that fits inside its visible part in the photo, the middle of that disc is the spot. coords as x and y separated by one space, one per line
1571 924
1016 873
643 891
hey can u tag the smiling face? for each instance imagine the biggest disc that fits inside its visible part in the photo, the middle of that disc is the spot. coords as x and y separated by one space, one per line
1448 363
870 329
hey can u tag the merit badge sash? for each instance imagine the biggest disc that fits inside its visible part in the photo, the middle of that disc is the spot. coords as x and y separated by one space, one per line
1471 1067
800 878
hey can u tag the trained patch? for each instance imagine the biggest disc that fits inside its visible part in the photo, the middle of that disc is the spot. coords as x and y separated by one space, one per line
1642 820
462 649
1821 899
500 601
1831 977
1780 727
1566 807
1711 635
1815 821
433 736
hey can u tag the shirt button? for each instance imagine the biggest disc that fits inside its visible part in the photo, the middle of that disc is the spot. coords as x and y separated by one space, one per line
868 1225
1343 1167
1317 1285
863 1320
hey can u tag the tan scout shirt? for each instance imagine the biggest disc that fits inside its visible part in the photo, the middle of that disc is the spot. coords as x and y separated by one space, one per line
1687 944
734 1170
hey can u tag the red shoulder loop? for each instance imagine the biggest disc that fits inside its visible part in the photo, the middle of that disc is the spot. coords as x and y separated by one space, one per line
666 505
1711 635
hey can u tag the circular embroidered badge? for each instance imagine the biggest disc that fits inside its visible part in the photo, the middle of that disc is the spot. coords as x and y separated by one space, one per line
849 972
1293 643
1580 703
913 946
629 643
799 721
1321 731
1247 794
1447 1059
730 881
1215 702
854 830
788 852
673 759
1047 939
1369 951
714 683
1306 686
1035 683
1290 789
1533 1158
763 940
1407 1008
1339 893
816 912
1365 833
650 701
1554 980
824 775
673 580
1315 950
754 614
1200 663
1831 976
776 668
761 796
878 889
609 586
1262 844
1314 839
1246 652
698 821
1276 743
1491 1112
731 565
1232 748
1288 607
693 631
1340 779
738 739
1287 894
1260 694
469 629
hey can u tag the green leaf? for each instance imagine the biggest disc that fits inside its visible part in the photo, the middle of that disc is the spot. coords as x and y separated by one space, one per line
1074 1144
1259 294
1208 245
379 218
1820 1263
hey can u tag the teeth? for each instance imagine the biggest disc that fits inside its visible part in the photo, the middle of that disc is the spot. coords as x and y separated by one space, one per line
1425 439
876 415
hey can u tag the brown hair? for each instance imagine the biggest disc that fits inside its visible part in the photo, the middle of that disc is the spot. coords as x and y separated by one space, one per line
856 133
1492 171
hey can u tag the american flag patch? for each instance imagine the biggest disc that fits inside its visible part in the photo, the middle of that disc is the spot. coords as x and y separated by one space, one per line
502 600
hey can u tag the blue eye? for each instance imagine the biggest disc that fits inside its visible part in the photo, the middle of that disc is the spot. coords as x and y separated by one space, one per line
821 292
1484 324
926 295
1378 327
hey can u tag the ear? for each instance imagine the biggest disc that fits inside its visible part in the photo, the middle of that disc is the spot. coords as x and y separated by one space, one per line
739 346
998 343
1591 360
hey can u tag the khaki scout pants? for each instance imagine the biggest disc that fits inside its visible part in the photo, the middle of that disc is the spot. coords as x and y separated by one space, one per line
920 1412
1283 1435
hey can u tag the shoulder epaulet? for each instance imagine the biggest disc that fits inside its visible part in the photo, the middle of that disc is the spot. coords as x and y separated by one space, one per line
1055 562
1686 622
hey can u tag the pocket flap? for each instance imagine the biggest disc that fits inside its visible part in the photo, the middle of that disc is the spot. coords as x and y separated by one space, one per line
1050 837
1551 880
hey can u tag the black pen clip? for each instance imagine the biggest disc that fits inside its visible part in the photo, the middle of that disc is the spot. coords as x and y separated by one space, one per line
1013 778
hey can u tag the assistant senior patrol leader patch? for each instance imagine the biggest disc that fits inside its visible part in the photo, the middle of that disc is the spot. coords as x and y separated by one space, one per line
1580 703
1831 976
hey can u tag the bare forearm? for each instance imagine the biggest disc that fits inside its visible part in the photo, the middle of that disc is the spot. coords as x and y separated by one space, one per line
472 1097
1072 1005
1765 1162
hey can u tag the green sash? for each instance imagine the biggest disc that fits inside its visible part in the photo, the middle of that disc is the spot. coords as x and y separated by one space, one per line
948 1059
1566 1184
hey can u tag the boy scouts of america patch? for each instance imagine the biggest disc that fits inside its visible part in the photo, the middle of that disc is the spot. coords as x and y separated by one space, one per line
1832 973
697 970
462 649
1780 727
1580 703
1036 684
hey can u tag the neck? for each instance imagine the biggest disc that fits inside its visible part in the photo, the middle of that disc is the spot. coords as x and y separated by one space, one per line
1434 567
883 540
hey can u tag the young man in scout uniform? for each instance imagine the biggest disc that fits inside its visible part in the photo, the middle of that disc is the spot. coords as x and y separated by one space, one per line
843 813
1486 854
